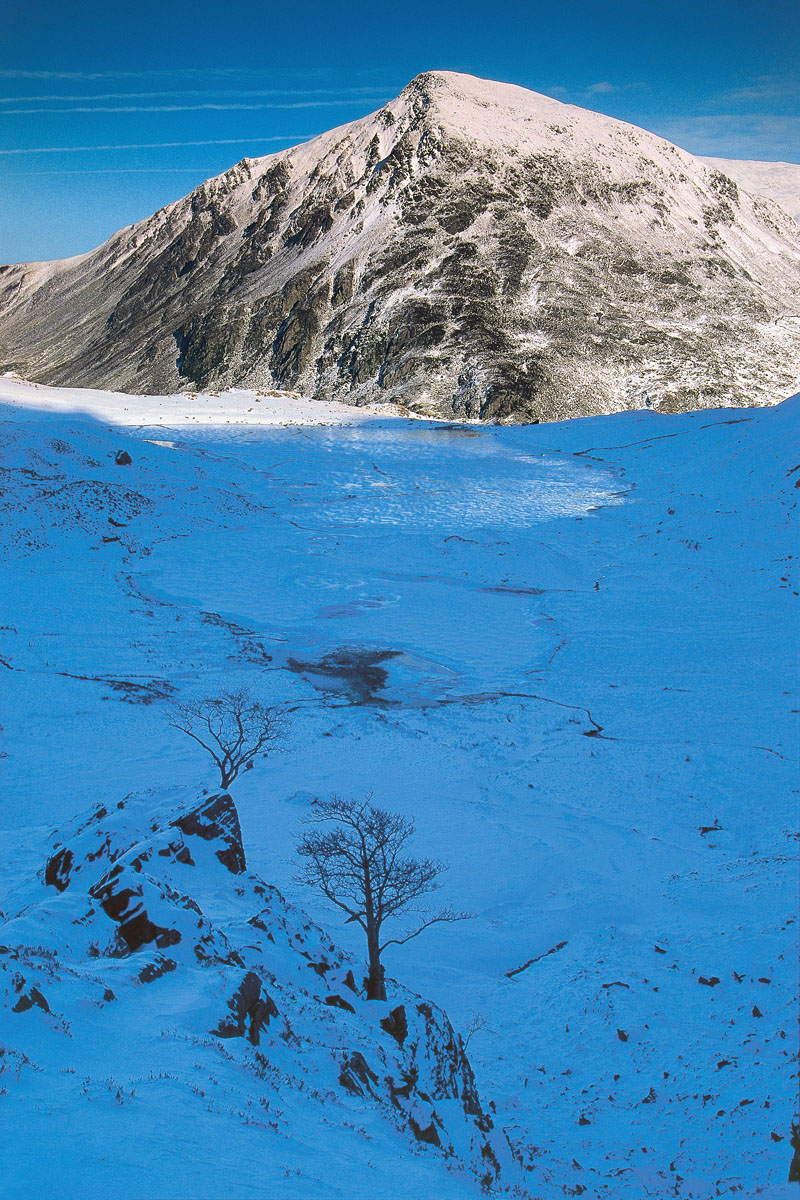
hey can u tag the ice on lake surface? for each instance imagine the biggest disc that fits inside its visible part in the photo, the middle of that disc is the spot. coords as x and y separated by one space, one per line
370 550
420 477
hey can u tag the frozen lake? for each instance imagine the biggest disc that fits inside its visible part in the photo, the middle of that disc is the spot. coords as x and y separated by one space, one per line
385 540
437 478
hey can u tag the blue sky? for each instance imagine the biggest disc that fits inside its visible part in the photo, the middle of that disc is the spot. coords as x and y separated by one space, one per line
109 110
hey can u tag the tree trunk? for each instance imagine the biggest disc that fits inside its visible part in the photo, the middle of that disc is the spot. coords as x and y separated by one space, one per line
376 989
794 1166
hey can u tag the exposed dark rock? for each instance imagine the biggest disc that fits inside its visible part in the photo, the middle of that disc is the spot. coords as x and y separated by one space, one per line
179 852
451 1072
58 869
33 997
430 1135
337 1001
210 949
217 818
294 344
122 458
250 1011
343 285
356 1075
154 970
794 1166
128 859
402 1090
396 1024
123 904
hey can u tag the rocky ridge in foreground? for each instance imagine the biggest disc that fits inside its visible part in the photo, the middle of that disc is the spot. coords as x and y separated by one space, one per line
146 951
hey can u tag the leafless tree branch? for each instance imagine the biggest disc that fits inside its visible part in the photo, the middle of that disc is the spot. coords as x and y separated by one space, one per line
233 728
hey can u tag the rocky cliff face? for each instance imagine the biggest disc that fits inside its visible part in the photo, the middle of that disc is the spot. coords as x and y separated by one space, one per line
778 181
472 249
145 919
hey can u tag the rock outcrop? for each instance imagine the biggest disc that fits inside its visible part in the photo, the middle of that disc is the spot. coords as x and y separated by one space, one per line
473 249
778 181
151 896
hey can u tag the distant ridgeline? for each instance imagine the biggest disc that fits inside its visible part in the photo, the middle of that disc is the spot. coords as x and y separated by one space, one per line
473 249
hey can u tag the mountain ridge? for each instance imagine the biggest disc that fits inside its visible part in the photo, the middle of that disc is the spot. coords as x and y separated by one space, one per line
472 249
778 181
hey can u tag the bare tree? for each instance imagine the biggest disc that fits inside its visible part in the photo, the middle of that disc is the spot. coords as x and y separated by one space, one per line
233 727
360 866
477 1024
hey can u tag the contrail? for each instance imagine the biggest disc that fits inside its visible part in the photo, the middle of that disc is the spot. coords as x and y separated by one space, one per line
353 93
166 108
165 73
284 137
117 171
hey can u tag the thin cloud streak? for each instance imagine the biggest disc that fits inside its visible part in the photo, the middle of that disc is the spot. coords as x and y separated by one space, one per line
354 93
767 89
116 171
756 136
284 137
11 73
169 108
164 73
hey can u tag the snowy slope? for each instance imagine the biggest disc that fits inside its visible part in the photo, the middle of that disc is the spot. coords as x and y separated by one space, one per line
230 407
153 986
778 181
474 249
567 650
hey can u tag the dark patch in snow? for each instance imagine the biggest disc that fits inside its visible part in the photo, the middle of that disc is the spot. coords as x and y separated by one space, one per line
218 819
155 970
396 1024
337 1001
531 961
30 999
130 691
357 671
124 905
249 1010
515 591
57 870
356 1075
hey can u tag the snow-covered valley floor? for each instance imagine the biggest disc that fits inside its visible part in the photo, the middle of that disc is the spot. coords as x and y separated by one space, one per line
567 650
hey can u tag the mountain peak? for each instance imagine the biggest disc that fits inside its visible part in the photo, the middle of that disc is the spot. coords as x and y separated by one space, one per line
472 248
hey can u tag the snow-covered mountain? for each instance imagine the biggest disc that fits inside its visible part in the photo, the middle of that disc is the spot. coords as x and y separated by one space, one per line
778 181
473 248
